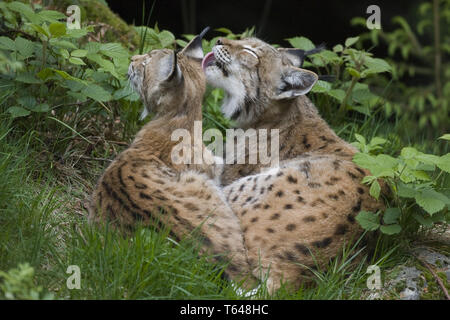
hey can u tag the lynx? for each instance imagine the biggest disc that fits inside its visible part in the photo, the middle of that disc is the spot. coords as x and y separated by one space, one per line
144 185
304 210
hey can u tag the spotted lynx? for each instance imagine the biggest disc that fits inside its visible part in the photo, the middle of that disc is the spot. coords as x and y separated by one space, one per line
143 184
307 206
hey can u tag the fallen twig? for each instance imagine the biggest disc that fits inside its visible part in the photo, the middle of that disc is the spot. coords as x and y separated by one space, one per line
438 280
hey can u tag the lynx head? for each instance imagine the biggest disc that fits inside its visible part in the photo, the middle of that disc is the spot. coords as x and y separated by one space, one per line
166 80
255 75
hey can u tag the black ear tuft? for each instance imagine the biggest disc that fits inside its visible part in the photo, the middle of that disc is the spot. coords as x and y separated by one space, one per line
194 48
327 77
297 56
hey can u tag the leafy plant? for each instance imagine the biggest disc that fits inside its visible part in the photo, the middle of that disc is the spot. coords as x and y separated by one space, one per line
415 181
18 283
417 52
60 68
350 67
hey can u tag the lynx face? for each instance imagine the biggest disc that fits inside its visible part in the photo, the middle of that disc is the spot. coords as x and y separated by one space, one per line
159 75
254 74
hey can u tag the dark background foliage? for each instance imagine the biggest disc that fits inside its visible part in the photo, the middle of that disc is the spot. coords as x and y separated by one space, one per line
322 21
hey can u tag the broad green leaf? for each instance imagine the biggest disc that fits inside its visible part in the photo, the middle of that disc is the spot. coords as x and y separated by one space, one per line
64 53
18 112
321 86
97 93
27 77
301 43
353 72
425 221
166 38
338 48
431 201
114 50
7 44
445 137
368 220
391 229
42 107
444 163
25 47
338 94
40 30
377 141
76 61
351 41
368 179
62 44
51 15
79 53
375 189
391 215
57 29
27 101
409 153
375 65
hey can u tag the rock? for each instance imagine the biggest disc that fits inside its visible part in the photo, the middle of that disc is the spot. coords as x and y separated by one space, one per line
410 294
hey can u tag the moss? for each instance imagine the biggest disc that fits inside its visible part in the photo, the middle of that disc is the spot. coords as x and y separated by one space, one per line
97 11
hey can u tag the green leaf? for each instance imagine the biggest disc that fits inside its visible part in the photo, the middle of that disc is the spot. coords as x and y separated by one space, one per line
42 107
375 189
7 44
97 93
391 215
166 38
351 41
57 29
62 44
375 65
27 77
18 112
40 30
321 86
114 50
445 137
338 94
25 47
76 61
425 221
444 163
391 229
338 48
301 43
27 101
368 220
79 53
431 201
51 15
353 72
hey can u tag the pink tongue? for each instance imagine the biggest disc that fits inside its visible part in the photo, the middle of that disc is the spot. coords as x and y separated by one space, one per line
209 57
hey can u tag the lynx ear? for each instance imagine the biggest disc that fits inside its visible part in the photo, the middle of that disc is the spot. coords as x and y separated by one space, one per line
297 56
295 82
194 48
170 70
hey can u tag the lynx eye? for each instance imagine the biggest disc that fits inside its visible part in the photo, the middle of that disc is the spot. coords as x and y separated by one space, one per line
249 50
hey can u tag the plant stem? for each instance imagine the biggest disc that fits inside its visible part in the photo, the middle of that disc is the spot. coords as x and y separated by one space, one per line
343 106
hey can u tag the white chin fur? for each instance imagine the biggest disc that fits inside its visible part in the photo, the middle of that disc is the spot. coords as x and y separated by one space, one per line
234 90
